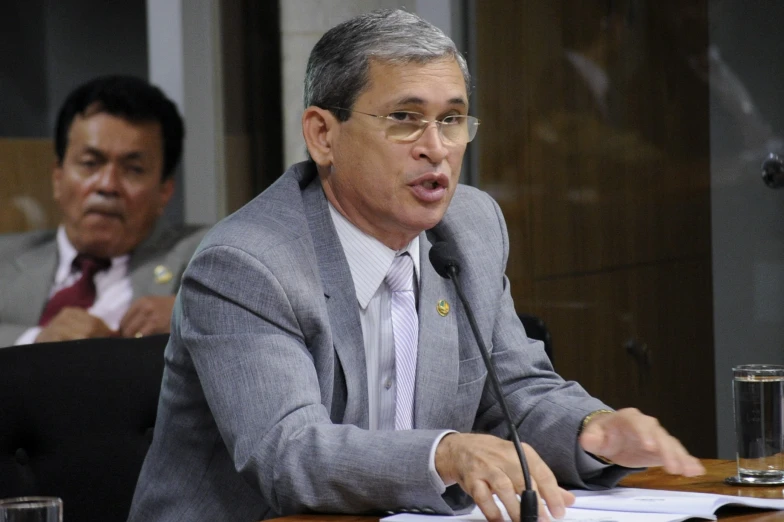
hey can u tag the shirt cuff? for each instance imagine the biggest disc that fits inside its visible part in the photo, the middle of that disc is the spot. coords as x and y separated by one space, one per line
434 476
28 337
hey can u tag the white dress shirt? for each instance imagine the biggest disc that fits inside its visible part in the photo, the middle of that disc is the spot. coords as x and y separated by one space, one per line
113 290
369 261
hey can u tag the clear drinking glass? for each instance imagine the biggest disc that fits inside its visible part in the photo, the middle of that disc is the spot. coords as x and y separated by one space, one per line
31 509
758 392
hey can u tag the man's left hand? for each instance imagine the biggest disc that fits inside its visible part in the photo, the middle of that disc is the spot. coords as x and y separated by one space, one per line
148 315
631 439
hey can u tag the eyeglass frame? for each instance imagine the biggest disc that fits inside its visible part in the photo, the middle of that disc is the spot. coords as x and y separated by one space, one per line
472 121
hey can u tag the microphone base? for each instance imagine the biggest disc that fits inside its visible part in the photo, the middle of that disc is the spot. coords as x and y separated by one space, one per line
529 506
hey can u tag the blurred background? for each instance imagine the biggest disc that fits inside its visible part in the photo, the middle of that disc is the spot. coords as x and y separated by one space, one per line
622 138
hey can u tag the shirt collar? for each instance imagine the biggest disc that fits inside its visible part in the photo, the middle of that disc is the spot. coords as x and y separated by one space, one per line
368 258
67 253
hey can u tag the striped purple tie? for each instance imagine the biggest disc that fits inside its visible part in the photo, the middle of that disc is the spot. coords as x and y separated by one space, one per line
405 328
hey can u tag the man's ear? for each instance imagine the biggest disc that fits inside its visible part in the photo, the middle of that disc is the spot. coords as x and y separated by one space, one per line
166 192
319 127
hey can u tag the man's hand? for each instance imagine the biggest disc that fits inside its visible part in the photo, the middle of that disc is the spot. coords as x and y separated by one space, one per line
74 323
631 439
484 465
148 315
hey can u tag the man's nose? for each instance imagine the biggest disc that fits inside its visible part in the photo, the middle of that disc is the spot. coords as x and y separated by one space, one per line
431 145
108 178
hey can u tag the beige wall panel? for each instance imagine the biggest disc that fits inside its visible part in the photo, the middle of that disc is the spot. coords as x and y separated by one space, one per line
26 197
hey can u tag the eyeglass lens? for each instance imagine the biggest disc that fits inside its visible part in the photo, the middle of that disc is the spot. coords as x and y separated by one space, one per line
456 130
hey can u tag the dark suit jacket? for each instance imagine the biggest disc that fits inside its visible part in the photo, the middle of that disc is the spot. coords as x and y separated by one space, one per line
263 409
28 263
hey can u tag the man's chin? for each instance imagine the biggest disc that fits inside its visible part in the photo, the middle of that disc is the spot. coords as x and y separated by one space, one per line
428 220
101 220
102 251
104 245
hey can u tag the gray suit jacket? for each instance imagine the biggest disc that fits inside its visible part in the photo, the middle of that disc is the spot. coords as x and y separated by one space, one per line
263 409
28 263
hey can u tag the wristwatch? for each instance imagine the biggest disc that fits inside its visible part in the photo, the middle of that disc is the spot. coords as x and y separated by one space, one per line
588 418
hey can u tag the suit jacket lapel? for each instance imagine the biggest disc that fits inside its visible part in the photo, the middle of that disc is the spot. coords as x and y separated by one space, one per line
438 354
139 269
36 274
141 280
342 305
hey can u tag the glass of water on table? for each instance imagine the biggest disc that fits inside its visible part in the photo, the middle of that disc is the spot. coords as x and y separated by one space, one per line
758 393
31 509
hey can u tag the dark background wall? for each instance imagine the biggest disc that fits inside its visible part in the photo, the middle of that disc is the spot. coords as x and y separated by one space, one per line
47 47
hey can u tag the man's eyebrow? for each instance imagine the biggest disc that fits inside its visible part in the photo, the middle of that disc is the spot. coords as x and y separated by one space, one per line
132 155
93 151
415 100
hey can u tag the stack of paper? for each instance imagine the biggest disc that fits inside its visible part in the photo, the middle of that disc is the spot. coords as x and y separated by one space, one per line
636 500
630 505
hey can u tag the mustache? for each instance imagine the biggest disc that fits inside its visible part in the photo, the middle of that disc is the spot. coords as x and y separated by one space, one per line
104 205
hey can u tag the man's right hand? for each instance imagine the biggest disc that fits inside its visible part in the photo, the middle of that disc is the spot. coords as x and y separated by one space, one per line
484 465
74 323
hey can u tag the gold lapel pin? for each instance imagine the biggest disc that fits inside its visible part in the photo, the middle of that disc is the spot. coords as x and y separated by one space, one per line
162 275
442 307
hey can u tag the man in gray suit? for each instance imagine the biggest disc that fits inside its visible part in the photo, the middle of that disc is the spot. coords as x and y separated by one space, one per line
118 140
292 383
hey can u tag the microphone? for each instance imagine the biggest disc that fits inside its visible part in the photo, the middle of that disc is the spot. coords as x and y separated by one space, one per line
445 262
773 171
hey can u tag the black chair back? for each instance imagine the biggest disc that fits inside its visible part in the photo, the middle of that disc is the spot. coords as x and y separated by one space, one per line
537 329
76 421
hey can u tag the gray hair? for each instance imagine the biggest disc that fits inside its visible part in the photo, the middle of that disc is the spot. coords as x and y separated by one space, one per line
338 66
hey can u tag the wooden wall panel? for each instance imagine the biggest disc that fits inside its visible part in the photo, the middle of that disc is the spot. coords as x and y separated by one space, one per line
597 322
619 173
26 201
238 165
606 189
504 68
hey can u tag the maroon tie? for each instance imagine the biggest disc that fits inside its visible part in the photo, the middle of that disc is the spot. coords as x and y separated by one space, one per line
80 294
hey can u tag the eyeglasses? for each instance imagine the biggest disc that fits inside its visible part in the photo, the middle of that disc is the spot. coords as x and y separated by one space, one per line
407 127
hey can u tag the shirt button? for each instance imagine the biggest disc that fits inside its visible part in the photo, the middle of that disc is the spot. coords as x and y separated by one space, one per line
388 383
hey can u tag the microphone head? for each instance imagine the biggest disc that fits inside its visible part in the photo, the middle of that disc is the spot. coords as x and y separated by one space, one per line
443 258
773 171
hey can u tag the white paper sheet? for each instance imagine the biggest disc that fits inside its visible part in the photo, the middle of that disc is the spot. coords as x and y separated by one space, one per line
627 505
572 515
659 501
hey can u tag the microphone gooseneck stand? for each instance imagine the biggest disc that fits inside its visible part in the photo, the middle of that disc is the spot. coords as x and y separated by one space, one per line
445 263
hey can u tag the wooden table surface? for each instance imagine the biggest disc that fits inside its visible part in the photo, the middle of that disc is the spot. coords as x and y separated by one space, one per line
711 482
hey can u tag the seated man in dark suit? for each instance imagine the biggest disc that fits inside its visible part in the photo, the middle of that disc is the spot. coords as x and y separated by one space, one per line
110 268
